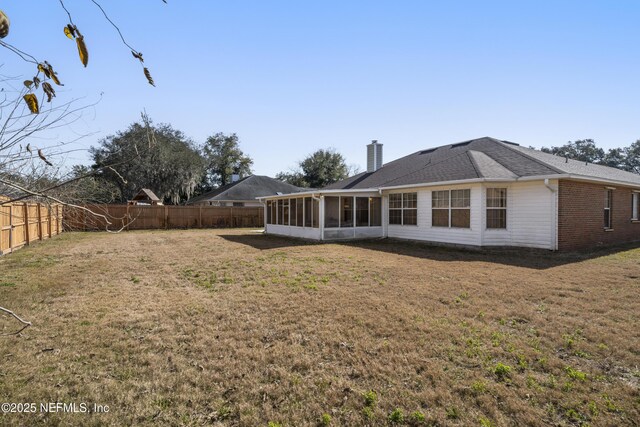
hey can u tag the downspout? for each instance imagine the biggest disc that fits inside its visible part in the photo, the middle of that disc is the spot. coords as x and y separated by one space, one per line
554 214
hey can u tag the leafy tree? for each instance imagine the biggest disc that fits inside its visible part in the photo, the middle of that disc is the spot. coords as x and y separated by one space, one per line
632 157
615 158
223 158
86 186
584 150
318 170
146 156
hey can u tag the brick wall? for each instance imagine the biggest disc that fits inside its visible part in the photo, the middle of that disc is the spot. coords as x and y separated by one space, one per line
581 216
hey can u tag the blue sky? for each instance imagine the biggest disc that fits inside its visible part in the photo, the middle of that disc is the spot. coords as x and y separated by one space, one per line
290 77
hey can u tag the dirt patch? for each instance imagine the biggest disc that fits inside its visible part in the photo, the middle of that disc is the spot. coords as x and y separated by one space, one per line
232 327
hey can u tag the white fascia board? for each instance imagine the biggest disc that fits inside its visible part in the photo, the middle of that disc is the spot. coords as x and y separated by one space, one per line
319 193
440 183
580 178
458 182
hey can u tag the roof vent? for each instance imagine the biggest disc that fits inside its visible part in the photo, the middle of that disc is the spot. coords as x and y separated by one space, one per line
374 156
430 150
461 144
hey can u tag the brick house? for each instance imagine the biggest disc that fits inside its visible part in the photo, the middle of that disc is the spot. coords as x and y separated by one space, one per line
483 192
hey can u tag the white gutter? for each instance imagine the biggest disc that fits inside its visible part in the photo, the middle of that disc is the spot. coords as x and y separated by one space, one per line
580 178
460 181
312 193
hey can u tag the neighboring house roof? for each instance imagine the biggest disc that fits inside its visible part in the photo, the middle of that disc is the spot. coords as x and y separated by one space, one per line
146 194
482 158
248 189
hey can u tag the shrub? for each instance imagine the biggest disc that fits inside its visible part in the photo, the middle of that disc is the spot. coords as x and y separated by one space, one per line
370 398
417 418
396 416
325 420
485 422
479 387
575 374
502 371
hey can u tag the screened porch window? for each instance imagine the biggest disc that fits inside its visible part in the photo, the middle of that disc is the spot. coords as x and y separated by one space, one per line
362 211
375 209
293 212
346 207
307 212
280 210
300 212
331 212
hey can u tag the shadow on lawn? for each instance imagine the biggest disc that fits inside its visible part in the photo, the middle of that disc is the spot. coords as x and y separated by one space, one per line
539 259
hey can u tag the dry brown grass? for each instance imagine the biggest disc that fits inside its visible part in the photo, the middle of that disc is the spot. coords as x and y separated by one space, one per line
229 327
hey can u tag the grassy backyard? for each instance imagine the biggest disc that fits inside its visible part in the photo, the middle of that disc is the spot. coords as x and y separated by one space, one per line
235 328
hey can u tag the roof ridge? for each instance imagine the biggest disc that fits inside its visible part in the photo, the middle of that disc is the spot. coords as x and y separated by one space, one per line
473 163
527 156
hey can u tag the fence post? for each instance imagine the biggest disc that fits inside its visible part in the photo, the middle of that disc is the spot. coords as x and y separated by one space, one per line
49 219
166 217
26 222
11 227
200 216
127 217
39 221
231 217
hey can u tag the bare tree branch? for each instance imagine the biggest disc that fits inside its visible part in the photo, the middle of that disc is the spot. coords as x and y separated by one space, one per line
24 322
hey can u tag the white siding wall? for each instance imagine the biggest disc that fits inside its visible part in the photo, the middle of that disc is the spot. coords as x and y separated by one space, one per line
531 217
352 233
285 230
424 230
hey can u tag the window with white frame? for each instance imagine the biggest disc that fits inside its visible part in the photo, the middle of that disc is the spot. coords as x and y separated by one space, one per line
635 205
451 208
403 209
608 209
496 208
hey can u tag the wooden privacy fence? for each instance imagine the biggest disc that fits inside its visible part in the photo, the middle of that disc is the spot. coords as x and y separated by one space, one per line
137 217
23 223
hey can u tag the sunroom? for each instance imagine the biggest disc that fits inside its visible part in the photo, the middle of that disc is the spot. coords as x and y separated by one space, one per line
325 215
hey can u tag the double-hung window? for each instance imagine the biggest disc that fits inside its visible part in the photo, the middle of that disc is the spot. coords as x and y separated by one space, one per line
496 208
451 208
403 209
608 211
635 205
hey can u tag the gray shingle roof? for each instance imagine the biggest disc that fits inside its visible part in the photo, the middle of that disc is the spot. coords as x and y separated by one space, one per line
486 157
576 167
146 194
248 189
